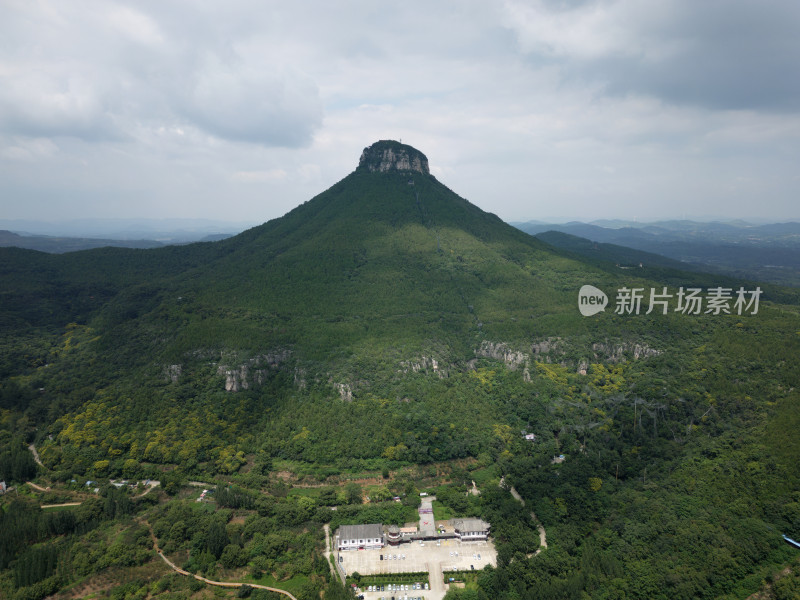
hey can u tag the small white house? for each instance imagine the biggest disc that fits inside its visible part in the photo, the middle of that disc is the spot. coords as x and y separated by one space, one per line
356 537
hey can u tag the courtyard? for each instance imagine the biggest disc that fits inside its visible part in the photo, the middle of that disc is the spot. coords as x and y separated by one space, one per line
432 557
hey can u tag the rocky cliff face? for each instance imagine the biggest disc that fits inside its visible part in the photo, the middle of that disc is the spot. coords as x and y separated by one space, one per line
620 351
424 364
254 371
501 351
555 350
388 155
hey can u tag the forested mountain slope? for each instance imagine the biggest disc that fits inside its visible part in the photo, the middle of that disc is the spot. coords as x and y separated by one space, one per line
388 322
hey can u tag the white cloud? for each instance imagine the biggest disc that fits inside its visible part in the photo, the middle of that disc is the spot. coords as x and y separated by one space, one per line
592 30
259 176
133 24
256 104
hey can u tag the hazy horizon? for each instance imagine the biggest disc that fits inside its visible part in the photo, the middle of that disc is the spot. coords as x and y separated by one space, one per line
136 227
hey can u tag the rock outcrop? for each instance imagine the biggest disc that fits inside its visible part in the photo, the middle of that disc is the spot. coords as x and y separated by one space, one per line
501 351
173 372
554 350
621 351
553 345
345 391
254 371
424 364
388 155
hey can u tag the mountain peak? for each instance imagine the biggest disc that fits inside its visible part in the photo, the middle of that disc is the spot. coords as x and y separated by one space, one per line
389 155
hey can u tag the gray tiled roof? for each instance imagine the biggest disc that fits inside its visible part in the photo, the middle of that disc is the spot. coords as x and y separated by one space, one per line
469 524
360 532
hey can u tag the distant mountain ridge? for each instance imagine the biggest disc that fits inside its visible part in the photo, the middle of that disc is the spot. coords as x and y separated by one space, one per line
121 233
768 252
165 230
57 245
612 231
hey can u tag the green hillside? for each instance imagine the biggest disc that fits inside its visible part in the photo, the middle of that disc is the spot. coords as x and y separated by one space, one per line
414 262
388 327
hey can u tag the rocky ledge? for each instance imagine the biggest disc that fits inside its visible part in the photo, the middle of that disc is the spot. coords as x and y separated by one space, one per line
388 155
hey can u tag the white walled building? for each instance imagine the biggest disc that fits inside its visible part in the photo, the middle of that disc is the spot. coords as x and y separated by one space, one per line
470 530
354 537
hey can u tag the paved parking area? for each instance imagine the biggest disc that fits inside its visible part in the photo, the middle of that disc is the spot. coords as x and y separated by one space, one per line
432 557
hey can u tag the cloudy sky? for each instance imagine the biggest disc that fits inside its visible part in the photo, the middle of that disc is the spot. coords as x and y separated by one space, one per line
535 109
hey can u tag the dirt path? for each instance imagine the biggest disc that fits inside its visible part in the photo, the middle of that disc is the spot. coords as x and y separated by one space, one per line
542 532
177 569
150 486
32 448
329 553
327 529
223 583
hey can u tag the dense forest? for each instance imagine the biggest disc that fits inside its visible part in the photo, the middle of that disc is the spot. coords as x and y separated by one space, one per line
382 339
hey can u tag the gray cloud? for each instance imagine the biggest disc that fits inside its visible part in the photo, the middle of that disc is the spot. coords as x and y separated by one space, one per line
718 54
579 108
106 69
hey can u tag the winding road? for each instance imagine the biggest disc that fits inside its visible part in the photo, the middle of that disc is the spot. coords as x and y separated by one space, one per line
37 487
151 484
177 569
542 532
36 458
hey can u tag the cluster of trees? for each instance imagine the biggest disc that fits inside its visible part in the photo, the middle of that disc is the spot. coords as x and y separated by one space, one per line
278 538
234 497
43 550
22 526
16 462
